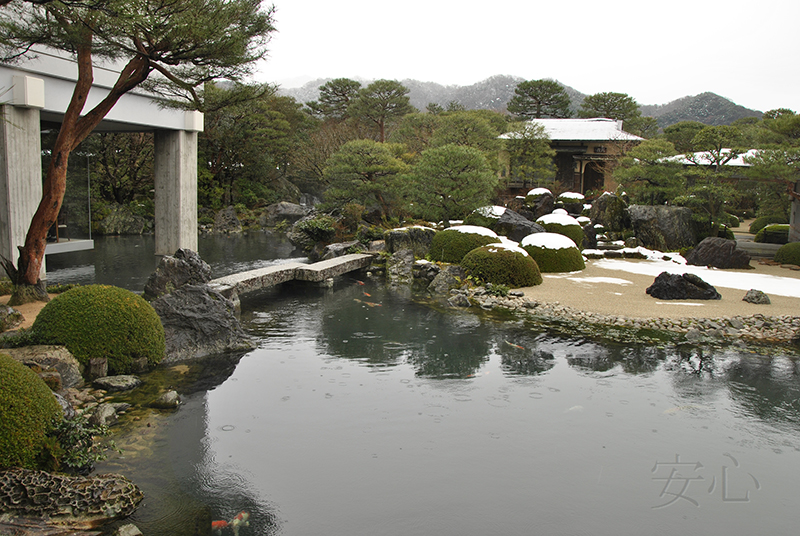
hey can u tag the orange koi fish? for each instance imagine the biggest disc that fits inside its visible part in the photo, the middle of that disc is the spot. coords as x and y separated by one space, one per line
371 304
359 282
515 345
368 294
219 526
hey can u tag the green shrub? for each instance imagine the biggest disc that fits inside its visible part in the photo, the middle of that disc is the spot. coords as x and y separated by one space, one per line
28 410
773 234
563 224
731 220
485 216
319 229
762 221
452 244
537 193
502 265
102 321
553 252
788 254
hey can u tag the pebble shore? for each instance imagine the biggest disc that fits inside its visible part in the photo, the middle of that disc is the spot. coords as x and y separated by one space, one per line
758 328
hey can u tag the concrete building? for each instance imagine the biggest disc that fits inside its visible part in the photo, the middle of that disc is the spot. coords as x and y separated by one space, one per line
34 95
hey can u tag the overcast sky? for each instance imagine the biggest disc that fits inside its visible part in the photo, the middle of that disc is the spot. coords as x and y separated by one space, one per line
746 51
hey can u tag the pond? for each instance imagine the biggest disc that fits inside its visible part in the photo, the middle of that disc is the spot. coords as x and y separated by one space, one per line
364 411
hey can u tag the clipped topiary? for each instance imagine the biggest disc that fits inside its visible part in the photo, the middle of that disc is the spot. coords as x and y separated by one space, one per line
485 216
563 224
102 321
452 244
502 264
788 254
773 234
28 411
553 252
762 221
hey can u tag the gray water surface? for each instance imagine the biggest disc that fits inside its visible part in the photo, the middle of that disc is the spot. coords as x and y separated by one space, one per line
365 412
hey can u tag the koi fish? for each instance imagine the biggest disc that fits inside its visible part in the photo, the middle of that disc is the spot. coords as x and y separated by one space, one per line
368 294
241 520
515 345
219 526
371 304
359 282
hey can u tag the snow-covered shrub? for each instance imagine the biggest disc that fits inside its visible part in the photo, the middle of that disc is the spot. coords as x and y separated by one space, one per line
485 216
450 245
502 264
563 224
553 252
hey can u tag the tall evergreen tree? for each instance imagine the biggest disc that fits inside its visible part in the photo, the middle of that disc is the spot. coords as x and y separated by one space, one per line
537 99
381 103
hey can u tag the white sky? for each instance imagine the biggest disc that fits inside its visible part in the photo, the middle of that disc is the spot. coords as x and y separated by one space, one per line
655 52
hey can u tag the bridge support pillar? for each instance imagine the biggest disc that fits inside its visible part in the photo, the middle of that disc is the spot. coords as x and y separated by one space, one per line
176 187
794 217
20 176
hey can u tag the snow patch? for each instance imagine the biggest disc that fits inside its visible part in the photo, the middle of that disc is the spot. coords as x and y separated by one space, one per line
473 229
540 191
572 195
561 219
494 211
548 241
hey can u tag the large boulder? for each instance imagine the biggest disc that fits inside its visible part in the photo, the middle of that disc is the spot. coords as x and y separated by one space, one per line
681 287
199 321
515 226
48 357
609 211
718 253
283 211
449 277
185 267
662 228
227 221
416 238
400 268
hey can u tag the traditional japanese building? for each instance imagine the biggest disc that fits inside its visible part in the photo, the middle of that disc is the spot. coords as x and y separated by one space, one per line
584 149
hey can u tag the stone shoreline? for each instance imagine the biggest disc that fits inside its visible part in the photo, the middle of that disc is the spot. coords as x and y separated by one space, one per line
758 328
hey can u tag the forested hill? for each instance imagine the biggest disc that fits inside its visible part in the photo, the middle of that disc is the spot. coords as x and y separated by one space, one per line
494 93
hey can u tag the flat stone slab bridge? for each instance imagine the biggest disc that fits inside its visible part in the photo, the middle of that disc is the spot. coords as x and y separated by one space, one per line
234 285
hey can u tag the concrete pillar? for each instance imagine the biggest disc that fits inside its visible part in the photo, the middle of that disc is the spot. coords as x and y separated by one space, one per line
794 218
176 191
20 176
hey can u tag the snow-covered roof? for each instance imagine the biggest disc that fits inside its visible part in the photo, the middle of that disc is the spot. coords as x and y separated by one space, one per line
595 129
704 158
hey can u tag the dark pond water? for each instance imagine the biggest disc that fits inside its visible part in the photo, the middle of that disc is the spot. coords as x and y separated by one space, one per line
364 412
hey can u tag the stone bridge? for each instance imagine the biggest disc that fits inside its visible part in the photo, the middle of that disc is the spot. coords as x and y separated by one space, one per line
234 285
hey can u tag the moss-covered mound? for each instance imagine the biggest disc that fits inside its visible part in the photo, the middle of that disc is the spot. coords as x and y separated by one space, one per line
28 411
102 321
553 252
788 254
762 221
563 224
485 216
773 234
502 265
452 244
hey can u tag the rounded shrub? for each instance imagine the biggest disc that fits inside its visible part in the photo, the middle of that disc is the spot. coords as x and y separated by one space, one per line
762 221
485 216
501 264
553 252
535 194
788 254
452 244
773 234
28 411
102 321
563 224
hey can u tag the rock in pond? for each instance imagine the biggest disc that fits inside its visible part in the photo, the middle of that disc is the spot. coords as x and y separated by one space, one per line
169 400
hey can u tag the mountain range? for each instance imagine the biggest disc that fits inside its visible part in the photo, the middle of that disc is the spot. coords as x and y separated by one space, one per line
495 92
